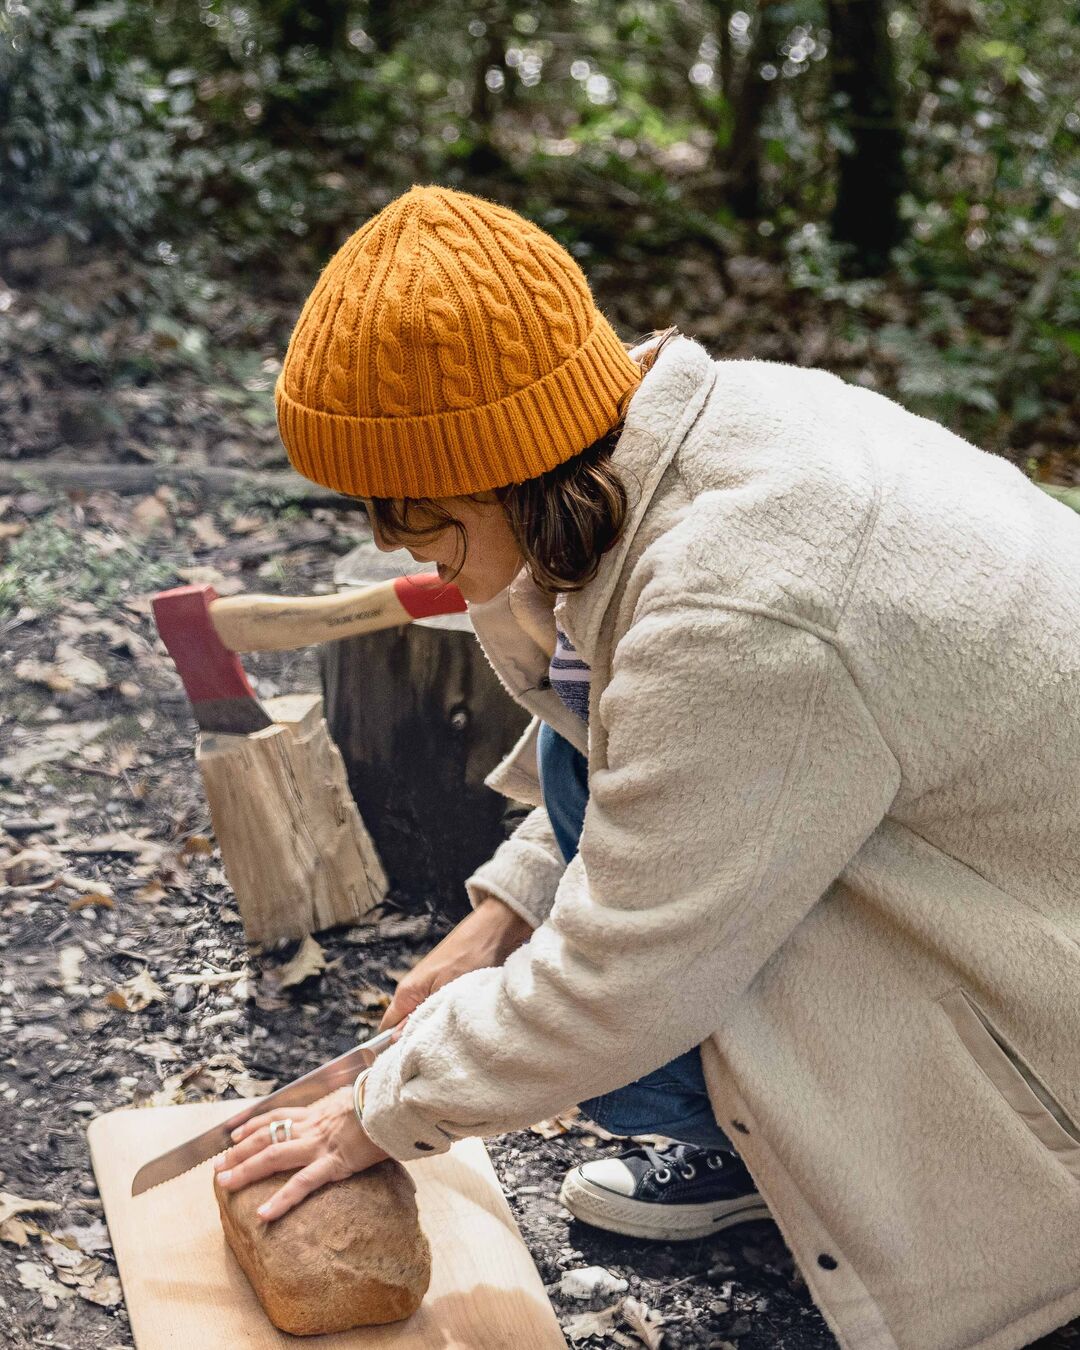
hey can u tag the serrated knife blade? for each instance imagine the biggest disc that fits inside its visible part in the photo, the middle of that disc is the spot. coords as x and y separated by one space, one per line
309 1087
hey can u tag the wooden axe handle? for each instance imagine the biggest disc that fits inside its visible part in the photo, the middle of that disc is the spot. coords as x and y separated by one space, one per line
274 623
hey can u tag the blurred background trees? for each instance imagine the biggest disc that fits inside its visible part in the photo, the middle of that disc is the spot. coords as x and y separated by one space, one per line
890 190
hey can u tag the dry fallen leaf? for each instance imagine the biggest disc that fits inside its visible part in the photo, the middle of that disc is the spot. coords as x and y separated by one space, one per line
591 1282
91 898
205 530
159 1051
151 516
590 1128
70 962
15 1204
135 994
371 998
52 743
204 575
245 524
119 841
18 1232
122 758
570 1119
587 1324
644 1322
215 1077
79 668
368 930
37 1277
64 1254
31 865
105 1291
117 636
84 885
69 668
308 960
171 1092
549 1129
43 672
208 977
88 1237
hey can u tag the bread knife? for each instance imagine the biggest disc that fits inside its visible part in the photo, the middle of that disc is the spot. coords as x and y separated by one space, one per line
300 1092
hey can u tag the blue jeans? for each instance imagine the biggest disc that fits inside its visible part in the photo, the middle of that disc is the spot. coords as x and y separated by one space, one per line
671 1100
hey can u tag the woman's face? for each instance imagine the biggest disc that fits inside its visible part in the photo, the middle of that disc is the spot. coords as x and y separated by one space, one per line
492 558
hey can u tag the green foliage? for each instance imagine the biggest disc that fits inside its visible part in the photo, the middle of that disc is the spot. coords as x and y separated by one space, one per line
51 564
210 141
84 142
115 124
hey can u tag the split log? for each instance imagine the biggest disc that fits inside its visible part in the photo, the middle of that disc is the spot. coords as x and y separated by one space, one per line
295 849
420 719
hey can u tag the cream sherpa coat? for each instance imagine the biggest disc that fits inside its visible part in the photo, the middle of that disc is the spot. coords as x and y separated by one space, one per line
833 836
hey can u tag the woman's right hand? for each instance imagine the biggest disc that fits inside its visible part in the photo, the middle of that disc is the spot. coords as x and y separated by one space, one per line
486 937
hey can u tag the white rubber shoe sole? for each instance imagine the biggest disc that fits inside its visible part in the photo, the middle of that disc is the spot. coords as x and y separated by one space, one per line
602 1208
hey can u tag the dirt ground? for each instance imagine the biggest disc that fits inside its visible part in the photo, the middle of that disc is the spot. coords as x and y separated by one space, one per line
112 894
115 899
114 884
115 892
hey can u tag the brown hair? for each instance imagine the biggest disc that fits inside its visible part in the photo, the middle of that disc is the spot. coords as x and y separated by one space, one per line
563 521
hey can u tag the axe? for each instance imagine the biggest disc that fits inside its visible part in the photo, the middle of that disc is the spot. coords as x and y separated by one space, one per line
295 850
203 632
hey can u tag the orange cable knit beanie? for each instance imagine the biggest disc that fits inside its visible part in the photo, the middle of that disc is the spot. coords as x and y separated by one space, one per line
449 346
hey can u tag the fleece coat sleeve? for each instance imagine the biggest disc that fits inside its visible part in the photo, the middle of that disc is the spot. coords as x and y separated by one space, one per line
524 871
743 772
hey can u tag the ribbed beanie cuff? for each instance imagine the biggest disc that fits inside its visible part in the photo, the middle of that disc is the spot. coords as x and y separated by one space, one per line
468 449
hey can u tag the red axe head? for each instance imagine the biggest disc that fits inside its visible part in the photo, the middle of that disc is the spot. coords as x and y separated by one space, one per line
220 695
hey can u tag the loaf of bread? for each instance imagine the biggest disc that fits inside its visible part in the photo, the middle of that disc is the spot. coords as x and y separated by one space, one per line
351 1254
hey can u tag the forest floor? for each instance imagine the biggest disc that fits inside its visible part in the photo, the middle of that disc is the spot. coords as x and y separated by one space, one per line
113 897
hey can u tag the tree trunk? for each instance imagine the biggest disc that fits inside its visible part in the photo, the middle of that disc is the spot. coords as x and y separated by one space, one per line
720 119
744 160
384 24
485 157
420 718
303 111
870 176
723 10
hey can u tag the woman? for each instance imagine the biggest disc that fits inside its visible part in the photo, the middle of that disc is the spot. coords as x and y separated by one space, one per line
802 878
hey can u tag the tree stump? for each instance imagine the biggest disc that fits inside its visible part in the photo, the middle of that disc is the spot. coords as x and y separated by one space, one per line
420 718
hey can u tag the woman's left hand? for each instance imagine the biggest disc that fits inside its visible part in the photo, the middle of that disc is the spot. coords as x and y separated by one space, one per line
328 1144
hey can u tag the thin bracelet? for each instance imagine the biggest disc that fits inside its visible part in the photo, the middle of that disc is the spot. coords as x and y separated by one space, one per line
358 1094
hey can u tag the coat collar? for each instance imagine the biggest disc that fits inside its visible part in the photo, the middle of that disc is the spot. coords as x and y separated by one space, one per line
664 407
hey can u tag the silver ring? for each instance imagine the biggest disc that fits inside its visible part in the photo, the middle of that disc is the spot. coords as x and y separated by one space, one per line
286 1128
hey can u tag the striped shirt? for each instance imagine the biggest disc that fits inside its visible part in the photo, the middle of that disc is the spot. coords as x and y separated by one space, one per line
570 675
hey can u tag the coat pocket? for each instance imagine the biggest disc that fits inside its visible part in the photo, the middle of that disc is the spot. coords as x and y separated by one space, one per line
1015 1080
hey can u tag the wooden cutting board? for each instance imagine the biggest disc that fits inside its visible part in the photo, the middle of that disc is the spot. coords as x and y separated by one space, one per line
184 1288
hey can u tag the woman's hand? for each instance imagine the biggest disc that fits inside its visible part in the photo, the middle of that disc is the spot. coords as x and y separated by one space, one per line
328 1144
486 937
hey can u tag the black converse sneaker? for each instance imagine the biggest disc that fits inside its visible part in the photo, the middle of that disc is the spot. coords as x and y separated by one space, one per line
677 1191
